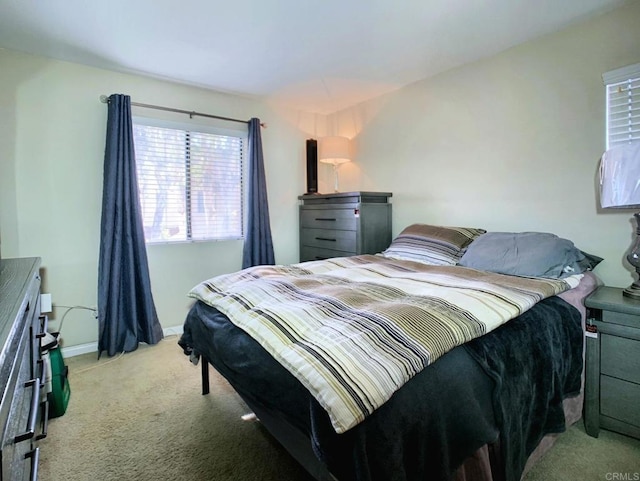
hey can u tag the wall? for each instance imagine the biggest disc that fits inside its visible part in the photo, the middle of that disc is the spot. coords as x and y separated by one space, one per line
52 134
509 143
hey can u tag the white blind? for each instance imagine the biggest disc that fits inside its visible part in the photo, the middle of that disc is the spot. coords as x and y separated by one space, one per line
623 105
190 184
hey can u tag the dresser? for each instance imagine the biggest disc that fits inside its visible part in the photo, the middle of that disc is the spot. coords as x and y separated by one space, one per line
23 408
612 383
344 224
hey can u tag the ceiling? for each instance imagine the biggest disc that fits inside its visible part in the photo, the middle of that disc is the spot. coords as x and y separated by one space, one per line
315 56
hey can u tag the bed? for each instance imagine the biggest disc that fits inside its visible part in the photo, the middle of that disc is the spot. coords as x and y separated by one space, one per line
454 354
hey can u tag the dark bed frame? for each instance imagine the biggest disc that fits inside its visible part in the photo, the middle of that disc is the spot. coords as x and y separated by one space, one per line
291 438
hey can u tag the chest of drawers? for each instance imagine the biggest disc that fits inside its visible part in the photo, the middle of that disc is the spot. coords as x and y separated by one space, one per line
612 383
344 224
23 405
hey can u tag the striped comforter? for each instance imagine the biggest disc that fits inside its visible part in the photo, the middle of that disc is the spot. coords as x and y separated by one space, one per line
353 330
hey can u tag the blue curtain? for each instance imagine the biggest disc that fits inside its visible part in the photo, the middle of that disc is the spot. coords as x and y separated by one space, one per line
126 312
258 246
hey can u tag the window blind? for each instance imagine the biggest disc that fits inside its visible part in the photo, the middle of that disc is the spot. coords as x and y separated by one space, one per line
623 105
190 184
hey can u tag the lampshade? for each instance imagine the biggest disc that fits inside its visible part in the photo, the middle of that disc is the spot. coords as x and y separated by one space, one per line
620 176
334 150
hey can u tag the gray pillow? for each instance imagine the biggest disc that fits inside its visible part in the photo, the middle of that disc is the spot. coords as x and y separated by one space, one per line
527 254
589 262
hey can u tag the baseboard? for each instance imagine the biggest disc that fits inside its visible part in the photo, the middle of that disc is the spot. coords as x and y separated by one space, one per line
89 347
79 349
172 331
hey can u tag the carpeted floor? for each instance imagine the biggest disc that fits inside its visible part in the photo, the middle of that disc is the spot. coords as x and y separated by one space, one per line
141 416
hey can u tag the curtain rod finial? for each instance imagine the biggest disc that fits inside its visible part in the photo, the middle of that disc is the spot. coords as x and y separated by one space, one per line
104 99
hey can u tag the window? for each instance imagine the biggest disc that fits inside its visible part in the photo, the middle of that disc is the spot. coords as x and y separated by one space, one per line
623 104
189 181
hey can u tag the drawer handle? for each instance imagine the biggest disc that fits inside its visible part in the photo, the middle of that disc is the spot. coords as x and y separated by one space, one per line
329 219
45 420
326 239
43 372
44 321
35 461
33 411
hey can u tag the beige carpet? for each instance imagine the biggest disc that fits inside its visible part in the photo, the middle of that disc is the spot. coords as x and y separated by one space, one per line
141 416
578 456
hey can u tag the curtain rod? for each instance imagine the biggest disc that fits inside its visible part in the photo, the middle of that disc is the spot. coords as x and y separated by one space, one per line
105 99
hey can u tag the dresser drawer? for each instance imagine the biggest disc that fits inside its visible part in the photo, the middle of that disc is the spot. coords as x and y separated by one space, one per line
339 219
621 318
619 400
19 433
620 358
309 253
339 240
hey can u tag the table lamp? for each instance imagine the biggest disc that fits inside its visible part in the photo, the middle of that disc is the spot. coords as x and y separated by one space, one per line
334 150
620 188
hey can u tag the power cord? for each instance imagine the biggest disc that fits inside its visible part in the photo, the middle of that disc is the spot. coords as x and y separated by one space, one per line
71 308
95 313
80 371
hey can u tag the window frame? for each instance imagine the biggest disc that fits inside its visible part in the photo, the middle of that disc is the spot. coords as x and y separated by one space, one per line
200 127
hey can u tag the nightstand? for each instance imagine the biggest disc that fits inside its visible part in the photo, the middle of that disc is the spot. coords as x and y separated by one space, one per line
344 224
612 383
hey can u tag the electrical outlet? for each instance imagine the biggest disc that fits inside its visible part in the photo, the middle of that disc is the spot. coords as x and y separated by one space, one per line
45 303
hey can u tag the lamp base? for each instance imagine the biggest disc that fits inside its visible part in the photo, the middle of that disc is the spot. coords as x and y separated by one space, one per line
633 291
335 178
633 257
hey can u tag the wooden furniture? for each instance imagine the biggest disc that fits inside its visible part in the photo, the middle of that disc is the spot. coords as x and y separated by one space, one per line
344 224
21 368
612 394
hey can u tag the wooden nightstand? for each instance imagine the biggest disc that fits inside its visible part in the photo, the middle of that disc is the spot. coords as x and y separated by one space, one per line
344 224
612 385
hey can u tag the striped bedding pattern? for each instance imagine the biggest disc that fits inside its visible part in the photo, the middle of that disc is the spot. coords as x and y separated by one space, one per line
353 330
435 245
